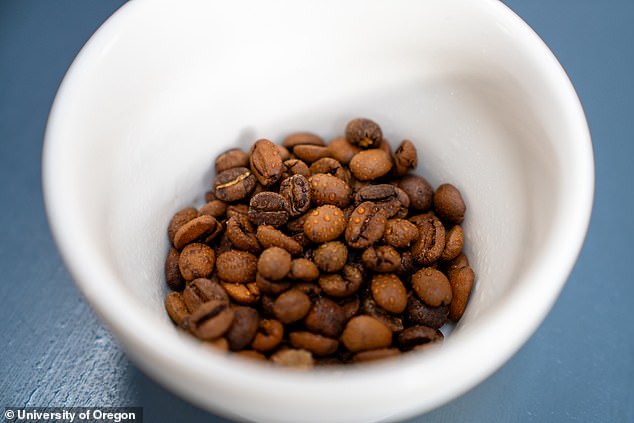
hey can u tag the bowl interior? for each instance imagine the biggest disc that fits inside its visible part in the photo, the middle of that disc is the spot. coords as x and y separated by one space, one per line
163 88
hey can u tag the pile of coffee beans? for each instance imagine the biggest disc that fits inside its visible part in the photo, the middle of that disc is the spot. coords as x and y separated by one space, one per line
309 253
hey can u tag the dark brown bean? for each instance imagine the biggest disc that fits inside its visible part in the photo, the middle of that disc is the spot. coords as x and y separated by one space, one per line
454 241
373 355
461 281
304 270
385 196
269 335
364 333
368 165
237 210
296 359
389 293
179 219
236 266
211 320
297 193
330 166
266 162
417 335
432 286
230 159
369 307
242 293
308 288
328 189
331 256
215 208
350 306
176 308
268 237
400 233
299 138
344 284
405 158
419 191
200 291
325 317
449 205
295 167
268 208
310 153
284 153
316 344
366 225
173 276
291 306
274 263
271 287
382 259
245 325
242 234
419 313
406 268
324 223
234 184
341 150
202 226
459 262
364 133
196 261
431 242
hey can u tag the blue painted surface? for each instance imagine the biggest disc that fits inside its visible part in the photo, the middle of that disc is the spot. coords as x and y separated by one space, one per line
579 366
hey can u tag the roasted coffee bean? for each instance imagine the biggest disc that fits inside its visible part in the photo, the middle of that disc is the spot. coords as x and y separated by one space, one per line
236 266
324 223
271 287
364 133
366 226
268 237
419 313
326 318
200 227
405 158
400 233
297 193
274 263
308 288
266 162
176 308
299 138
242 234
364 333
211 320
215 208
316 344
295 226
431 242
284 153
201 290
454 241
179 219
344 284
328 189
242 293
268 336
173 276
330 166
449 205
296 359
418 190
234 184
210 195
304 270
331 256
389 293
268 208
402 198
370 307
385 196
461 281
291 306
230 159
295 167
341 150
405 270
368 165
458 263
196 261
310 153
251 355
373 355
350 306
382 259
218 345
245 325
385 146
237 210
432 286
417 335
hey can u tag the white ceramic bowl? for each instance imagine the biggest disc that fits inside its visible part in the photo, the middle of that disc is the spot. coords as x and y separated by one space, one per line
164 86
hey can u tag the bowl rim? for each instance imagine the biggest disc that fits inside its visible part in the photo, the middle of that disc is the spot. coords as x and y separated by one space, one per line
554 265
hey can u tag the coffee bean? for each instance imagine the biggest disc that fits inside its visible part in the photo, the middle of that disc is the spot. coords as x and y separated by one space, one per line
324 223
432 286
201 290
304 270
268 336
236 266
431 242
458 263
400 233
454 241
297 193
251 355
449 205
405 270
291 306
179 219
384 145
385 196
328 189
350 306
219 344
176 308
268 208
211 320
325 318
363 133
331 256
461 281
371 164
341 150
405 158
245 325
295 167
266 162
419 191
316 344
389 293
200 227
237 210
295 226
299 138
364 333
173 275
370 307
297 359
417 335
382 259
271 287
242 293
215 208
284 153
230 159
330 166
419 313
310 153
210 195
344 284
366 225
234 184
268 237
196 261
274 263
308 288
242 235
373 355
